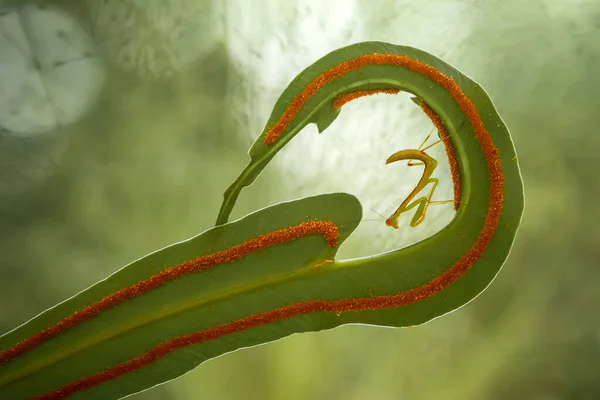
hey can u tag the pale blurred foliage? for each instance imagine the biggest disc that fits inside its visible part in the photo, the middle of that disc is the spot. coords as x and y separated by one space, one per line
190 84
48 76
155 38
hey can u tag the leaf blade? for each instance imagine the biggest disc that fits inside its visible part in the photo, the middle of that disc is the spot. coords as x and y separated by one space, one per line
96 350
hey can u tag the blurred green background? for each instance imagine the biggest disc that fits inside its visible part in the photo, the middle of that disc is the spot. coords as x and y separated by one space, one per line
123 121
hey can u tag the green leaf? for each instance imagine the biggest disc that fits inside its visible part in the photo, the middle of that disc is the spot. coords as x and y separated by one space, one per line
295 286
258 282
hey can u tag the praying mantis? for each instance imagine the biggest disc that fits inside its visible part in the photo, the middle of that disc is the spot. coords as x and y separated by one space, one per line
274 272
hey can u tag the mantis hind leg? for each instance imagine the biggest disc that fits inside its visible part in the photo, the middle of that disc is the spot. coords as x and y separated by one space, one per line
422 204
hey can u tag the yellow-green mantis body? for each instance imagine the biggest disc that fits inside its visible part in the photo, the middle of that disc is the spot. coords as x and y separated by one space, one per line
274 272
429 163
